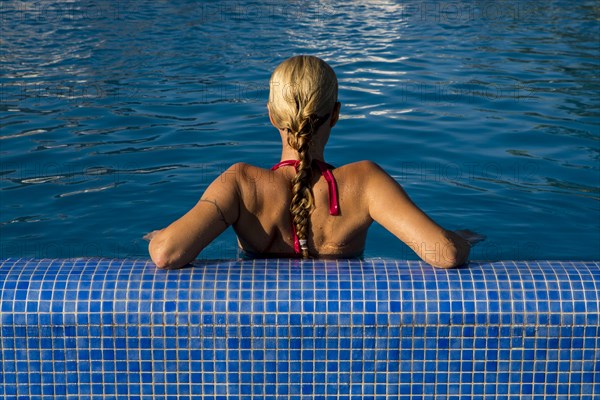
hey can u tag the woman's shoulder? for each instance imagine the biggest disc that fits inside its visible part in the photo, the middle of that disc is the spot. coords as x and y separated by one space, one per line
244 172
243 167
365 176
363 164
361 169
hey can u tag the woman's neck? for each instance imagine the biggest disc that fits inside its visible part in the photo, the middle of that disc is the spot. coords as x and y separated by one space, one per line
316 149
287 153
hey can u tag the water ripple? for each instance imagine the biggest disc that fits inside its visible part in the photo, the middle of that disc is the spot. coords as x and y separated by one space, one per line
90 190
120 101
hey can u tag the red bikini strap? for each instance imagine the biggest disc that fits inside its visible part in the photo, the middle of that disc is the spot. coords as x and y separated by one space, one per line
331 185
324 168
296 239
286 163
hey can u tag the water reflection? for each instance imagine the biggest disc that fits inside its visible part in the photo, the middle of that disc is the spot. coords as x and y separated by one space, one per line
162 95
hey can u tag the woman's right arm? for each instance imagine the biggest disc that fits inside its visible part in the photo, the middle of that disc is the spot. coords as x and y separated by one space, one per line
181 241
391 207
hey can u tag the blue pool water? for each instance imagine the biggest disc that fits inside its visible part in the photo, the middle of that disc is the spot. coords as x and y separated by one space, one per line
115 115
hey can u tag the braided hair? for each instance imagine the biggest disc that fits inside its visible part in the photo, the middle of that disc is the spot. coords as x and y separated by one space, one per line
303 93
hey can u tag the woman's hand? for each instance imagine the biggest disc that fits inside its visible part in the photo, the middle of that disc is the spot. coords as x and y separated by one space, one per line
470 236
148 236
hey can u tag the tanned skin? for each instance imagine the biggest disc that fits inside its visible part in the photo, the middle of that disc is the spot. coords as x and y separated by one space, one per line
256 202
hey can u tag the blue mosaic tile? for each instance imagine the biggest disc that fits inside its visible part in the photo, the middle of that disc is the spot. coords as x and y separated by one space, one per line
89 328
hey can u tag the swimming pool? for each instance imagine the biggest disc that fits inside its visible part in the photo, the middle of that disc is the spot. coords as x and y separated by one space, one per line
116 115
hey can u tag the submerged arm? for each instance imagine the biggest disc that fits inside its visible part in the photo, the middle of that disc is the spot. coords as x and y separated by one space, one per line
390 206
180 242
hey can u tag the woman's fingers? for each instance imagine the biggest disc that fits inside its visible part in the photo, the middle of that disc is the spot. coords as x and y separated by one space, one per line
148 236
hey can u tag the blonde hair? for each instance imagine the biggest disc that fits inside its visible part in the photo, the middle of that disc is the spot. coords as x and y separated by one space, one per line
303 93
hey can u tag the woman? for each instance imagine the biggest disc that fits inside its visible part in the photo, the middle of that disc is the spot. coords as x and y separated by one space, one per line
304 207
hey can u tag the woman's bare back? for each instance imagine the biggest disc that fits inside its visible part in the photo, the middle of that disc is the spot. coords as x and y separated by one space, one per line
264 225
256 202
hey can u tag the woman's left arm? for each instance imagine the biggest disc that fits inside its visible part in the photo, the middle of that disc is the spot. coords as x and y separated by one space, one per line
182 241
